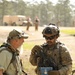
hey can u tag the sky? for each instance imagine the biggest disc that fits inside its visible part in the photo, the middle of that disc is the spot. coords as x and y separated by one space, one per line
53 1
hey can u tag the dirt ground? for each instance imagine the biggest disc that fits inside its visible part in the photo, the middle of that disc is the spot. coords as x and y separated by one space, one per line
37 37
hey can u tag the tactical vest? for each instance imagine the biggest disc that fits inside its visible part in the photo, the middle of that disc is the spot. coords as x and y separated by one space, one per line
48 61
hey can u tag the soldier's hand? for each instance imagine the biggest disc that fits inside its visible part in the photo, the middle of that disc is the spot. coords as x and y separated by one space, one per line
53 72
36 50
39 59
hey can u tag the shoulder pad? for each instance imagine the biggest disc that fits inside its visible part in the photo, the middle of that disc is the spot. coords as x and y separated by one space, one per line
2 48
60 43
44 45
37 47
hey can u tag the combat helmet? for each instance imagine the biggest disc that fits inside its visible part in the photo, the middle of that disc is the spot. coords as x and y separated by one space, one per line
51 29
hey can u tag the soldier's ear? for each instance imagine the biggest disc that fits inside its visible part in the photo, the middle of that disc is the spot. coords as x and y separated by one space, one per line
57 36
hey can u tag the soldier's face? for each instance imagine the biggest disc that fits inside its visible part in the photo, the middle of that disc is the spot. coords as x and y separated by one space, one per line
50 39
19 42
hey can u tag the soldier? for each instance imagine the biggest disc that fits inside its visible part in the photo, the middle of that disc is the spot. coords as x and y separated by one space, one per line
36 23
29 23
52 57
10 63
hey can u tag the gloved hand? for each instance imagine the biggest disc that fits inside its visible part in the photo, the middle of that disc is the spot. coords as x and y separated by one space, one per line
55 72
39 61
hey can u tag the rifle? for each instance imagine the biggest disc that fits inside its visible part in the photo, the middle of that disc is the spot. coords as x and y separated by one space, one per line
45 61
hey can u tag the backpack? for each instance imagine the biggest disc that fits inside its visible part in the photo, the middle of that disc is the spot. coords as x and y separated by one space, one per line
7 47
3 47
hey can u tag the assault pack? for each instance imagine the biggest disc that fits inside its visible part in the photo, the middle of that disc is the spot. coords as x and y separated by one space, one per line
7 47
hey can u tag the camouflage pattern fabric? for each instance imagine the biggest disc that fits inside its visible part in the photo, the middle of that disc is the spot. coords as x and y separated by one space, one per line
58 54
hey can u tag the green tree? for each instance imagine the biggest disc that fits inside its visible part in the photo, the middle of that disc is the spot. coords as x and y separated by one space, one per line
62 13
3 9
21 7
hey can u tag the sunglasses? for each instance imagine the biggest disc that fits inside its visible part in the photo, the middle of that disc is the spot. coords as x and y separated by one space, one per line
50 38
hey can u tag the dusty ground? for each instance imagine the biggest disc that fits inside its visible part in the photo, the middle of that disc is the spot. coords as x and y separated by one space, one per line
37 37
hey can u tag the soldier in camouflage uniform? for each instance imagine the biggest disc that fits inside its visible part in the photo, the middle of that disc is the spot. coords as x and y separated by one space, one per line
53 54
29 23
36 23
10 63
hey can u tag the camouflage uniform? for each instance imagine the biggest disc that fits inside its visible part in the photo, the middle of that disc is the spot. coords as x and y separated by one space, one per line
29 23
36 23
55 55
62 58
